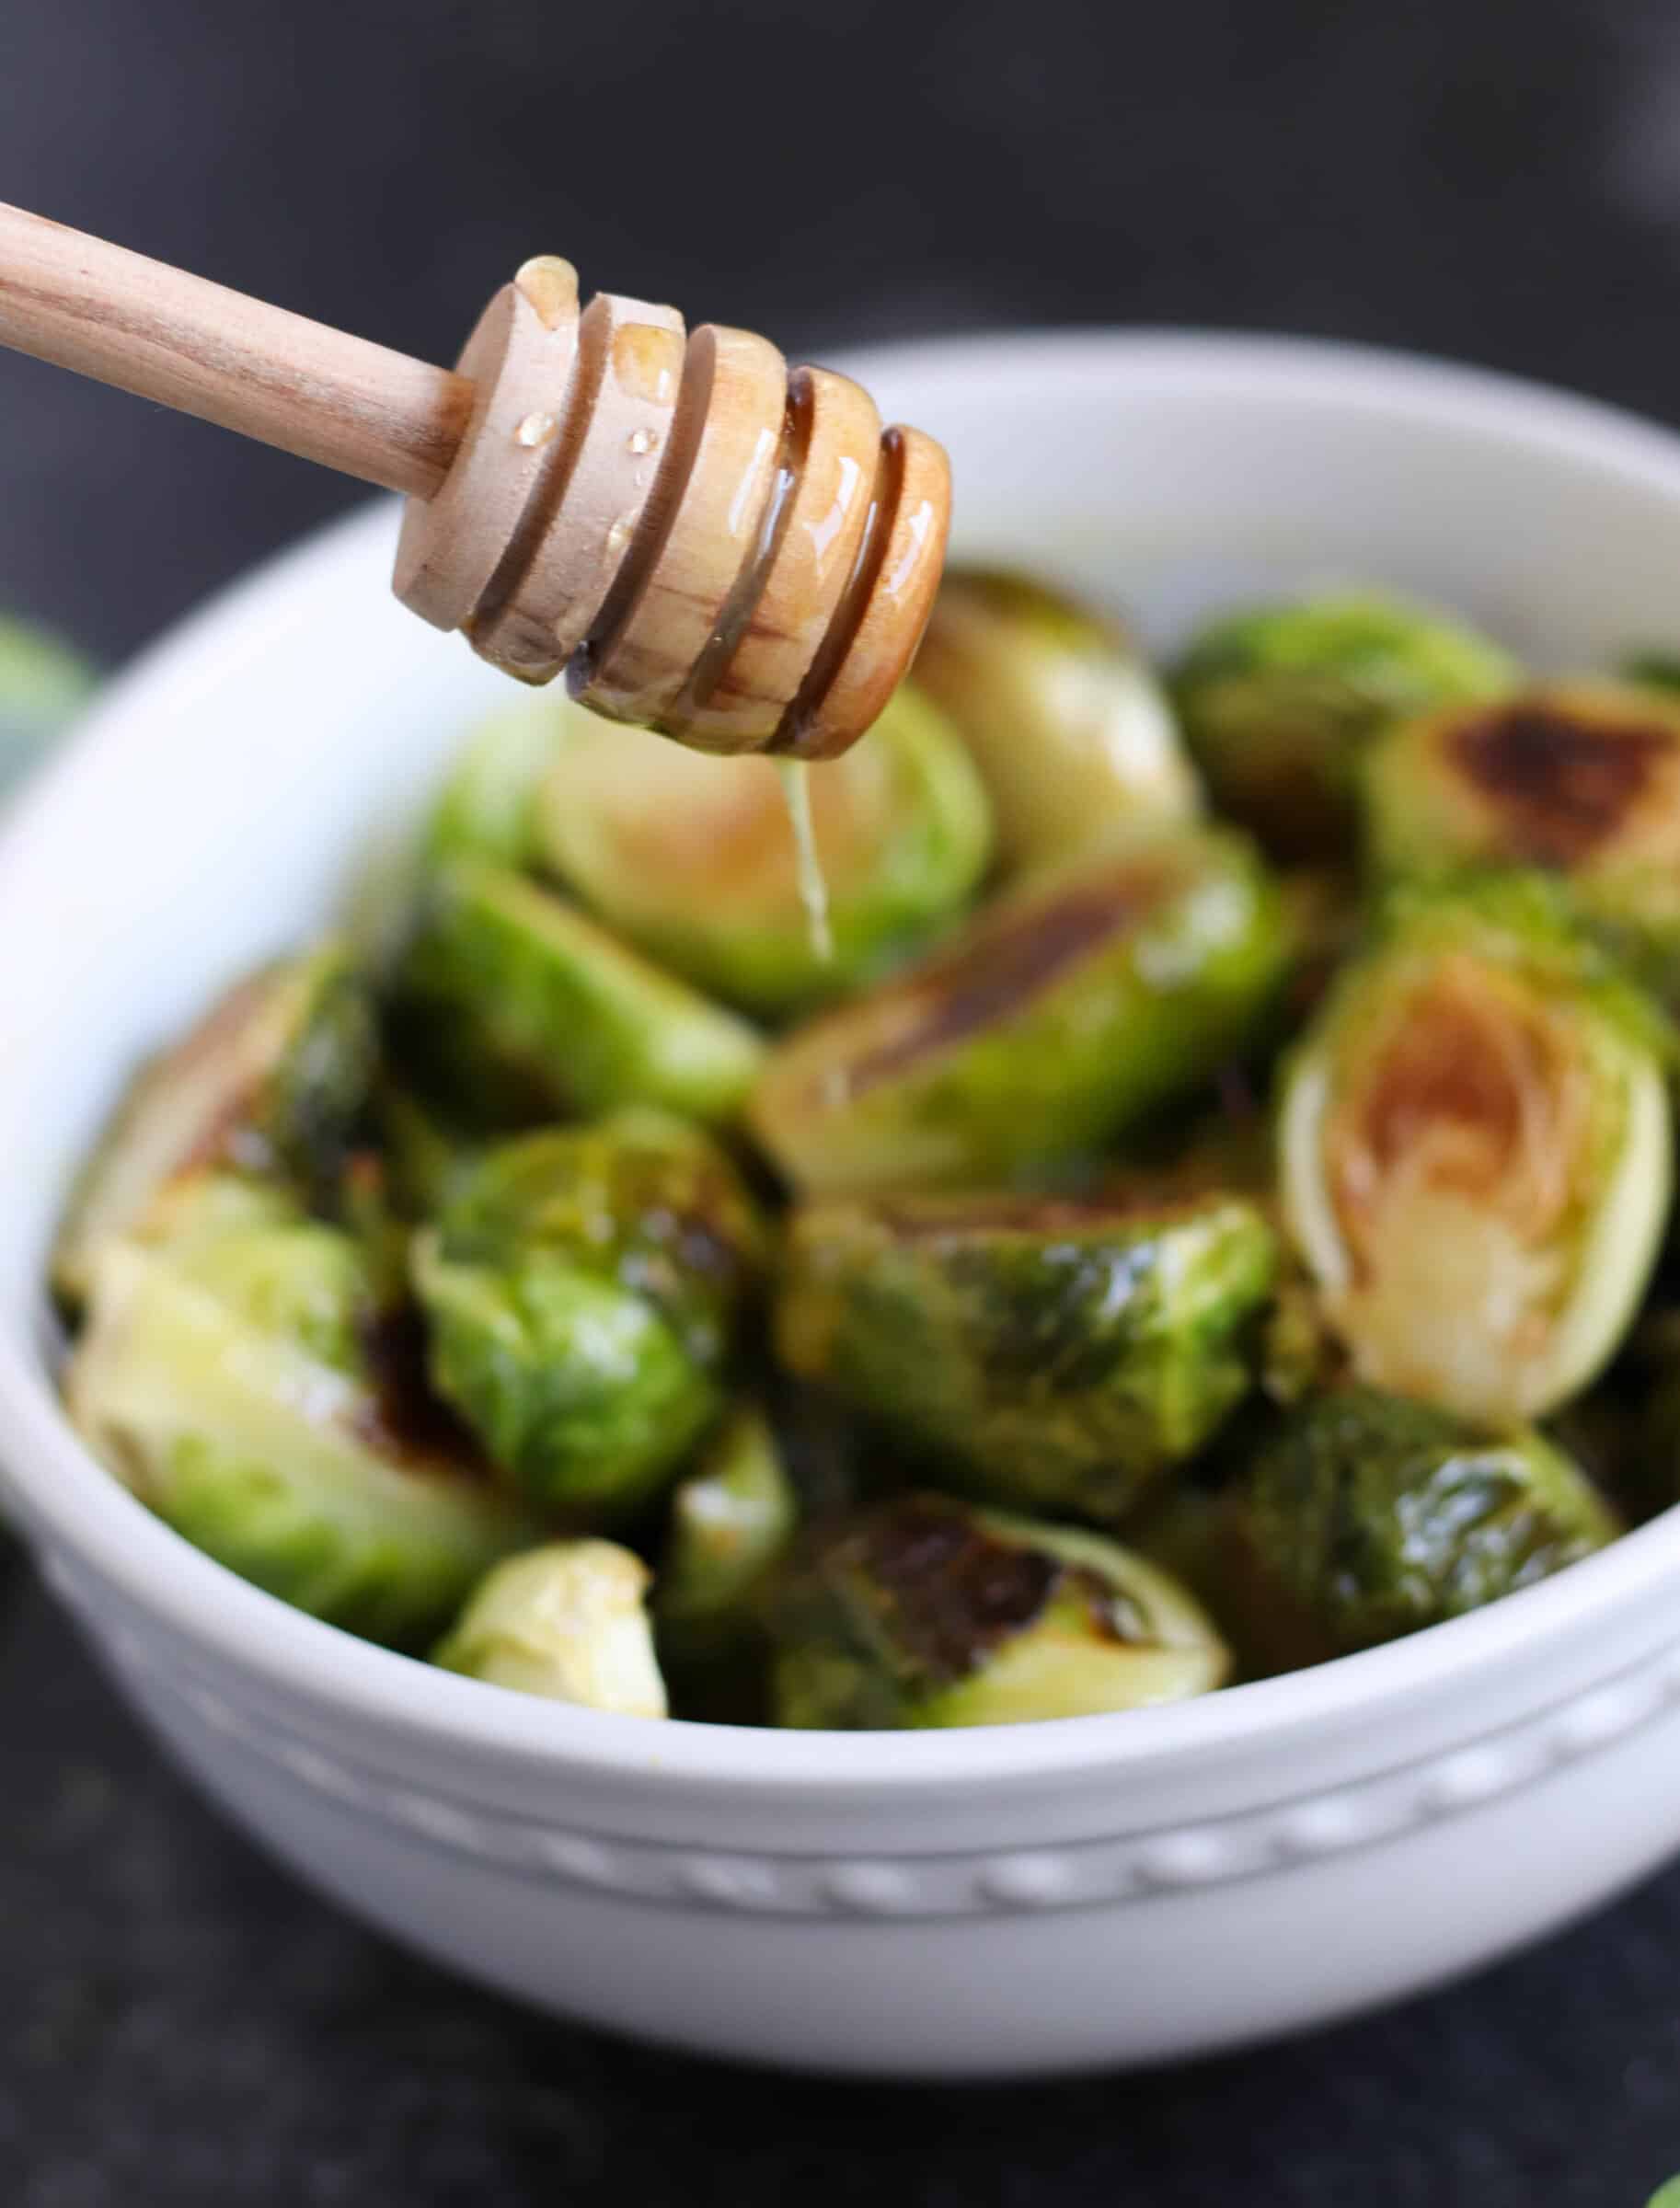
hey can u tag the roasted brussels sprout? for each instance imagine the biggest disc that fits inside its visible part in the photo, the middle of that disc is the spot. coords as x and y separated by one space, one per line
926 1612
1364 1516
1060 1017
247 1386
1071 732
487 808
1579 778
269 1083
1277 703
1058 1354
43 685
693 857
523 988
568 1621
730 1521
1475 1141
583 1286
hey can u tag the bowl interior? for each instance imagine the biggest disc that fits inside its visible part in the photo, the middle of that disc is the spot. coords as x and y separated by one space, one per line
223 794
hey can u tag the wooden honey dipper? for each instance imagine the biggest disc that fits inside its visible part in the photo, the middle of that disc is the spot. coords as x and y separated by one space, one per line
703 541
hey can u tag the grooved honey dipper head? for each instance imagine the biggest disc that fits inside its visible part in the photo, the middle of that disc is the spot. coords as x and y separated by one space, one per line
699 540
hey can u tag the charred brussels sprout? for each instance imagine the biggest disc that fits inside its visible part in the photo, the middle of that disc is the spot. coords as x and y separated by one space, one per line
926 1612
249 1388
568 1621
583 1286
1060 1354
1062 1015
1475 1144
1579 778
693 857
1277 703
1070 729
1365 1516
268 1084
526 990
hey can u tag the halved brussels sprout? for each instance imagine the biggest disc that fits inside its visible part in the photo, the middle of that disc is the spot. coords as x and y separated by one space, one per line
1071 731
43 685
248 1389
268 1083
1581 778
1277 703
1365 1516
693 857
524 987
1060 1017
1058 1354
926 1612
1475 1145
584 1287
568 1621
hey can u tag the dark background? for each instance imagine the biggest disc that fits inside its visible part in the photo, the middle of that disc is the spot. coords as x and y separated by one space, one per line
1498 180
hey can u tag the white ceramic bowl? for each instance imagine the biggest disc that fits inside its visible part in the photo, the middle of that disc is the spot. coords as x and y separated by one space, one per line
1105 1890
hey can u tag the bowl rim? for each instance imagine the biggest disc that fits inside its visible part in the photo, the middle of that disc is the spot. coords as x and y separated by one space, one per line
67 1492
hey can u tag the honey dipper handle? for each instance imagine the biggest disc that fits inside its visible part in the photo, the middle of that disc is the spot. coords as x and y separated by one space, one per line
204 350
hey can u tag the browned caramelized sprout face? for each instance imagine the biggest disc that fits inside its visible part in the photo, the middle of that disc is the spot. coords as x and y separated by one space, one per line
1475 1146
1579 778
926 1612
1059 1018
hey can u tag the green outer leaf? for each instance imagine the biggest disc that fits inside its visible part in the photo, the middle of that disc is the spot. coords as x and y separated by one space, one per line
1055 1356
1362 1517
1277 702
537 989
578 1389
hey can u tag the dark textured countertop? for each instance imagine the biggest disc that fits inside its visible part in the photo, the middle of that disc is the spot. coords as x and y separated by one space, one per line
1494 179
